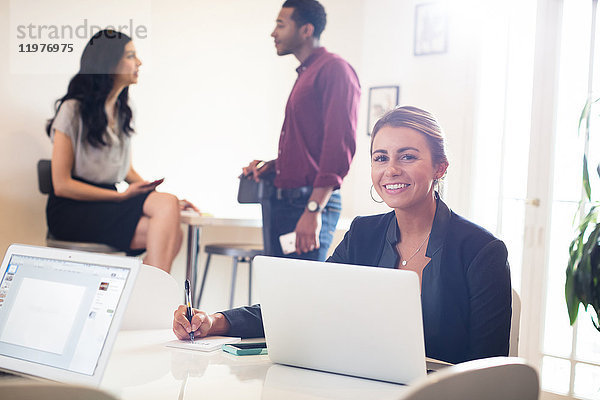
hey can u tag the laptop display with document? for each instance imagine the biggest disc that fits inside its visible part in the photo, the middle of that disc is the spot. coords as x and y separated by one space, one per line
348 319
60 311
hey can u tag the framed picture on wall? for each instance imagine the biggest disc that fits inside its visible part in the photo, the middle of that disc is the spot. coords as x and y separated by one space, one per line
431 29
381 100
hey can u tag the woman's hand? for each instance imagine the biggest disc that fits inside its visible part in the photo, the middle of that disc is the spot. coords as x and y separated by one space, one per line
202 324
139 187
186 205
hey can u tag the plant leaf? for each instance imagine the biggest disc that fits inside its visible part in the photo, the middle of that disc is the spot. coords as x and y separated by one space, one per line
571 298
595 321
591 216
585 179
592 241
584 116
583 279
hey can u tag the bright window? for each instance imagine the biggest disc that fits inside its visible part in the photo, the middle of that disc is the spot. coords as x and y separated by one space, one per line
568 357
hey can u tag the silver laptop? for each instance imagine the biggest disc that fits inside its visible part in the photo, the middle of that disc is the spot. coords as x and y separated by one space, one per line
348 319
60 311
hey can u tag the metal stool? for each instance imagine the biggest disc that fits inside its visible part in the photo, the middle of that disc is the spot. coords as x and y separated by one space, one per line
239 253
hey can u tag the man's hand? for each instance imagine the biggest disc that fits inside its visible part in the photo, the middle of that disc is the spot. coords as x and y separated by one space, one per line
257 168
307 232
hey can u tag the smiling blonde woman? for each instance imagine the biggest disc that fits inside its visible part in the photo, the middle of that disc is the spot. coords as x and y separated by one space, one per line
464 272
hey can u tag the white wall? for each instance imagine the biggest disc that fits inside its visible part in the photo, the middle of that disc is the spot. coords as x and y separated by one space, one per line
216 95
443 84
211 97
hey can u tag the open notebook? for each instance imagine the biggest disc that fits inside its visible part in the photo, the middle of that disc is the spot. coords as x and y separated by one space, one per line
209 343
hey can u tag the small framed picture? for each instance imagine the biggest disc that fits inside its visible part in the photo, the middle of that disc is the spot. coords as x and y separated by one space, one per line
431 29
381 100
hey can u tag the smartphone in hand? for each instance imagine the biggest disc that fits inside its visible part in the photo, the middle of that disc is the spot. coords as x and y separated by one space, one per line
154 183
288 242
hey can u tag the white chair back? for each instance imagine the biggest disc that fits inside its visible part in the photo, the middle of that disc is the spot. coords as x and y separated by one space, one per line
155 297
21 389
496 378
515 324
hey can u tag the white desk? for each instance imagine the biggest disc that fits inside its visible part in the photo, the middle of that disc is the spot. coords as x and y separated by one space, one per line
141 367
195 222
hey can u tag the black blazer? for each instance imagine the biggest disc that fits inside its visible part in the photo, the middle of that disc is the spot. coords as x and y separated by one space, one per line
466 290
465 293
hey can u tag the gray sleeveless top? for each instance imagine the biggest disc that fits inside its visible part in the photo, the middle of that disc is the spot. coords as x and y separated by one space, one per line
106 164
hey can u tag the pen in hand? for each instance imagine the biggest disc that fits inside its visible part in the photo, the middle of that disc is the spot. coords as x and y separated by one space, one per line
190 311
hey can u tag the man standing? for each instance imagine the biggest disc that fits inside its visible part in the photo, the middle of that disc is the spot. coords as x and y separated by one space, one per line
318 137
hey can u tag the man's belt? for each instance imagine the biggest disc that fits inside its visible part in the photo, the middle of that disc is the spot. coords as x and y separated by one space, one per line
295 193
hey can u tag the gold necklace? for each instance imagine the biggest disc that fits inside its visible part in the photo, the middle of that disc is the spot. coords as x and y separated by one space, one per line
404 262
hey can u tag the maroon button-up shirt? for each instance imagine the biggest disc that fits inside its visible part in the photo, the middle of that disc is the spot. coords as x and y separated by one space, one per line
318 138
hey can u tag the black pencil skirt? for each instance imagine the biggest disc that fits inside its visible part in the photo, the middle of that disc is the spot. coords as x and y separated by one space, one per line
107 222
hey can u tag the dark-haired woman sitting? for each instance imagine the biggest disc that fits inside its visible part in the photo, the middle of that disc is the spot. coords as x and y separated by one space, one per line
91 135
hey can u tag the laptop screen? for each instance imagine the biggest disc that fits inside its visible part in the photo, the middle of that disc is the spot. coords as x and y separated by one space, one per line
58 312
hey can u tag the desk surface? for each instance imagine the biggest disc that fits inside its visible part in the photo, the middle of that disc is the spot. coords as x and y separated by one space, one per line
195 219
141 367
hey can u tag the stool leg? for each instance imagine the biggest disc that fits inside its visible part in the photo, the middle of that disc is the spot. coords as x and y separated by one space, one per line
197 305
234 273
250 282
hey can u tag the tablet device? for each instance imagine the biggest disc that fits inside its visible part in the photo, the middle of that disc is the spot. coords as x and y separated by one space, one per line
60 311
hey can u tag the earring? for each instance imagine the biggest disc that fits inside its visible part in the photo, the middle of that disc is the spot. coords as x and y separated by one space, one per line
371 193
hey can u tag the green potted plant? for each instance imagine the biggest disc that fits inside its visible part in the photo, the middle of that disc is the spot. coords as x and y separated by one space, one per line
583 270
